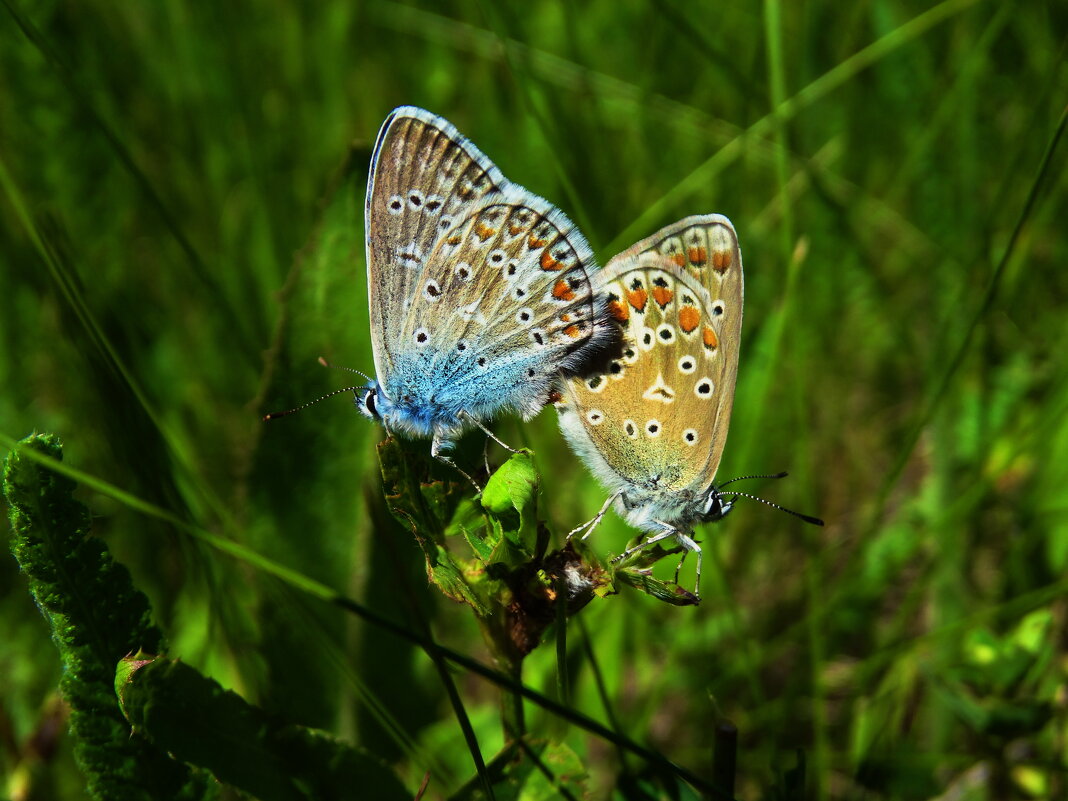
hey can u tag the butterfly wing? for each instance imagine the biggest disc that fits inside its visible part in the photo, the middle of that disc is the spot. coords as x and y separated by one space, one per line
480 290
504 303
423 172
655 420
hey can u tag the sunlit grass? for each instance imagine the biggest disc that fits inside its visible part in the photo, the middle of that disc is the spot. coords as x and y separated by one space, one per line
181 205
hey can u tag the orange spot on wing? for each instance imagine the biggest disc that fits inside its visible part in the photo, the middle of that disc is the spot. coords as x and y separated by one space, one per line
548 263
710 339
484 232
572 331
565 318
561 291
689 318
698 256
721 260
534 243
453 240
679 259
662 295
515 230
618 310
638 298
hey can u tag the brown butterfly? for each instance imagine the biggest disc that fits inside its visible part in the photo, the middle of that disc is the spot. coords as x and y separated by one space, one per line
652 424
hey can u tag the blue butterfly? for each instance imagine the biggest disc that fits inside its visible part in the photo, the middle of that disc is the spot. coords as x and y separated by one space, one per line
480 292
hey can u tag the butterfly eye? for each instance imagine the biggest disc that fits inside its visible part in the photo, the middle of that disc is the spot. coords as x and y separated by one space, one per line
630 429
703 388
369 404
396 204
687 364
652 428
524 316
595 417
422 336
689 436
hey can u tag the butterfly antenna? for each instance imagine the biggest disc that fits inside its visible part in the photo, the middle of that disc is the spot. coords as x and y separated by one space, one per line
783 474
807 518
325 363
276 415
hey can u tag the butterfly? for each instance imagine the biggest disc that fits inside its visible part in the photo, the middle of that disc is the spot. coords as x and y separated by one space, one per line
651 425
480 291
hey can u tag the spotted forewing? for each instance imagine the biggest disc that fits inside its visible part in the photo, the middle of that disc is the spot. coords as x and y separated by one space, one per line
459 258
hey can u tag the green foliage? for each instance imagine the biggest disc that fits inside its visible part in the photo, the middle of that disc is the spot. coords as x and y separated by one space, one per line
97 618
488 552
531 771
181 190
185 714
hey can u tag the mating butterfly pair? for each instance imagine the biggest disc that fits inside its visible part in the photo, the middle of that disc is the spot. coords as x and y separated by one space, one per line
484 299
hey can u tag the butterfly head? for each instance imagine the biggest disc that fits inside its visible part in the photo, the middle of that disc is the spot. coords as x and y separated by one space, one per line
715 507
368 400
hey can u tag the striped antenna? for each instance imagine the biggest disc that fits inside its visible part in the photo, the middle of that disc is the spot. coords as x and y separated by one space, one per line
807 518
276 415
324 363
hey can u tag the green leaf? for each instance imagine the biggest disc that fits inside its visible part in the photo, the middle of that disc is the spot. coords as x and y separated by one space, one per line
426 506
1032 633
510 499
97 618
195 719
636 571
531 770
512 487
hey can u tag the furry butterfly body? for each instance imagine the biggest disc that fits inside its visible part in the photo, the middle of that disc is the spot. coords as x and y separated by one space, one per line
480 292
652 424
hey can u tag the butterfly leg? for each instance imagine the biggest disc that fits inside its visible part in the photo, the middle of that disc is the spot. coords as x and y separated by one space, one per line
591 524
488 433
689 545
669 531
439 446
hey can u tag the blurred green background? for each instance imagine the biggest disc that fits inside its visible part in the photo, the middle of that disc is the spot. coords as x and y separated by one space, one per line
181 191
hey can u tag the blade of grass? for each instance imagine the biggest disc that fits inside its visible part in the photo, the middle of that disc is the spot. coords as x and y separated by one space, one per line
68 286
196 263
704 175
